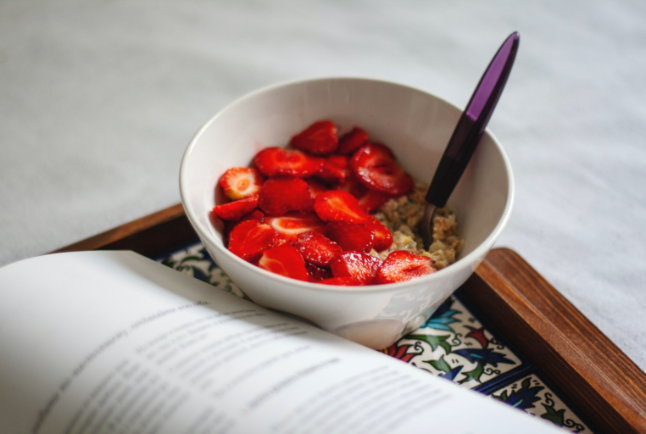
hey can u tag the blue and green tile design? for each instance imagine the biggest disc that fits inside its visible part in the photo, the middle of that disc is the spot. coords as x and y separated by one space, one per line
456 343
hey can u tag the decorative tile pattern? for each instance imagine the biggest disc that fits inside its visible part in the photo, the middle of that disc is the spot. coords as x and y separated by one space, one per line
533 396
196 262
455 345
452 344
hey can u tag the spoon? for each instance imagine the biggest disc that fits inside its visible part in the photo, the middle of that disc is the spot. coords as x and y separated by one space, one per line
468 132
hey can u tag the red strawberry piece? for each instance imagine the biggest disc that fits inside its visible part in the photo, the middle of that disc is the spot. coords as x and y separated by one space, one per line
293 224
318 139
279 195
316 248
350 237
352 186
339 206
315 187
335 170
375 167
352 141
372 200
401 266
236 210
281 240
383 236
284 260
256 214
285 162
339 281
241 182
316 274
250 238
360 267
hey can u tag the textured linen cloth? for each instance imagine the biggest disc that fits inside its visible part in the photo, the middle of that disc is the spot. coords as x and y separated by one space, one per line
98 100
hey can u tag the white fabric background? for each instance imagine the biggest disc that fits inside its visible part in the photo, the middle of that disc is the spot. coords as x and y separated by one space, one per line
98 100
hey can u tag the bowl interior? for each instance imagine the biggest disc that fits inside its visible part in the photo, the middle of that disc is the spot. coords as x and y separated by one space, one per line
414 124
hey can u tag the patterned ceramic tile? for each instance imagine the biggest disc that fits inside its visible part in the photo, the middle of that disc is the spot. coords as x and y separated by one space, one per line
453 344
195 261
533 396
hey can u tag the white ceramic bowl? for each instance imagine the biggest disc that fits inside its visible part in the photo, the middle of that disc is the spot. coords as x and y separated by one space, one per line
416 126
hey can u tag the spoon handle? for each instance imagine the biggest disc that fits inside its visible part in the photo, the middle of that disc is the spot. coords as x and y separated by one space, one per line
472 123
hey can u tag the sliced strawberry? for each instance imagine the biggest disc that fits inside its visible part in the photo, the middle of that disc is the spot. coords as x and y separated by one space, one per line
285 162
256 214
284 260
241 182
318 139
250 238
335 170
281 240
339 281
352 141
350 237
316 274
236 210
401 266
352 186
360 267
375 167
339 206
372 200
316 248
383 236
279 195
293 224
315 187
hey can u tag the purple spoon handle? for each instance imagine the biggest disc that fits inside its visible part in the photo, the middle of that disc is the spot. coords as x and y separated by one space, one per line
472 123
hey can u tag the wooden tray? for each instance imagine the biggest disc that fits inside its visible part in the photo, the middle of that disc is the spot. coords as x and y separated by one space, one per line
530 313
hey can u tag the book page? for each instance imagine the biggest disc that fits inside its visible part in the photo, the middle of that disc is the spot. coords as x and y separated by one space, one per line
112 342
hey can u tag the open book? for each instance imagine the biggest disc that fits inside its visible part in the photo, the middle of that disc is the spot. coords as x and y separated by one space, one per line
112 342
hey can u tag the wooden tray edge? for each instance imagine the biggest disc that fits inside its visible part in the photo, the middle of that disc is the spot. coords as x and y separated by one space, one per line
561 341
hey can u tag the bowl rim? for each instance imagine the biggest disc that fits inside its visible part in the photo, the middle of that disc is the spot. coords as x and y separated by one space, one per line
461 263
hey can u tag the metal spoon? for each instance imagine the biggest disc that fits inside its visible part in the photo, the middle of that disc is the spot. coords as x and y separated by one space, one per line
468 132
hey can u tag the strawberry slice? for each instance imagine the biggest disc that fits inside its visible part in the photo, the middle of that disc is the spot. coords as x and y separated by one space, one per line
285 162
291 225
284 260
236 210
316 248
352 186
339 281
339 206
351 237
250 238
279 195
375 167
318 139
401 266
352 141
316 274
256 214
372 200
383 236
241 182
315 187
335 170
360 267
